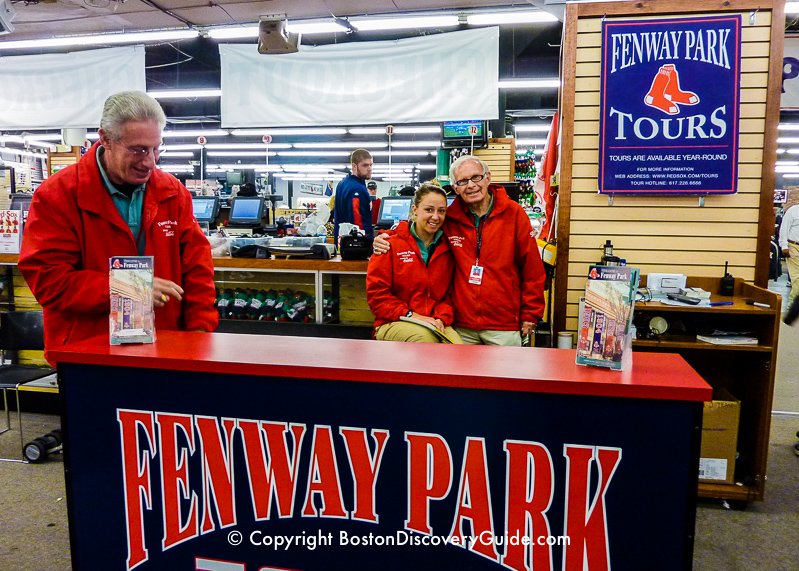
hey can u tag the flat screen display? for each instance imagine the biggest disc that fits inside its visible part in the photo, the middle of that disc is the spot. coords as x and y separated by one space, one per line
394 209
232 178
205 208
450 200
460 129
246 210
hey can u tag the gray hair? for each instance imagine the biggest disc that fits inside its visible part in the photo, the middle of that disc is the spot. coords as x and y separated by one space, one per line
464 159
129 106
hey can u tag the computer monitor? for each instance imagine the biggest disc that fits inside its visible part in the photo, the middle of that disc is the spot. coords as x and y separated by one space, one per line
246 210
233 177
393 209
206 208
21 202
450 200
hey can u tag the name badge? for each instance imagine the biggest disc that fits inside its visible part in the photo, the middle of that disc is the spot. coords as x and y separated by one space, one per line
476 275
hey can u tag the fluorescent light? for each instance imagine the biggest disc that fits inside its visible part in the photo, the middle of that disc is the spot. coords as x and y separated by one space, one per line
496 18
35 143
426 167
793 175
93 136
528 128
430 143
553 83
314 153
12 139
305 168
792 151
397 130
530 142
245 146
101 39
47 136
792 7
319 176
787 140
248 166
262 154
781 151
374 24
22 153
787 169
788 126
341 144
170 154
187 147
396 153
195 133
308 27
290 131
176 168
233 32
184 93
787 163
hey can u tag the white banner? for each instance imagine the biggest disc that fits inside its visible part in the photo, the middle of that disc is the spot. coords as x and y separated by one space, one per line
790 73
433 78
53 91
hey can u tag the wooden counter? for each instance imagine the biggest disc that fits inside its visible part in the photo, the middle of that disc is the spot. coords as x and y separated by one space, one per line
196 450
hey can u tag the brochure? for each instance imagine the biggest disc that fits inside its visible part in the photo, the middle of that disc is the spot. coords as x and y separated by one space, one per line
131 319
604 337
440 334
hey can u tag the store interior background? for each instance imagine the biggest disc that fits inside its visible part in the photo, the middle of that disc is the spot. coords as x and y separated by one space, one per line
764 536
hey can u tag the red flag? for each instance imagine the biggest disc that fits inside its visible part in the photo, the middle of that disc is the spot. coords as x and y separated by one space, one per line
543 191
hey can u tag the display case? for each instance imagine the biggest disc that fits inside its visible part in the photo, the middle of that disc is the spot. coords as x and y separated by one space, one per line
745 371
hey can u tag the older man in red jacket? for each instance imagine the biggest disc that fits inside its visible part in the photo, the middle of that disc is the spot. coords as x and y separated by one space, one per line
115 202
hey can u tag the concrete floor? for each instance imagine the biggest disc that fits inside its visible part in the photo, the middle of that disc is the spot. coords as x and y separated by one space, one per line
33 517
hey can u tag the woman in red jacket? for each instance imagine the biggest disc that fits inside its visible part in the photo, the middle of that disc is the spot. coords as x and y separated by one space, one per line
408 289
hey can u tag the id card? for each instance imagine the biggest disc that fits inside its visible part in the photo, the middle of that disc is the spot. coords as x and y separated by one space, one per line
476 275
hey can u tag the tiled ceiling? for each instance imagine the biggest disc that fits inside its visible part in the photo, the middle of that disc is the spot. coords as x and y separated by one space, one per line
48 18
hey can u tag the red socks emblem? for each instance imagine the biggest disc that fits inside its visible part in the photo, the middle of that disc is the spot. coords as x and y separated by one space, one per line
665 92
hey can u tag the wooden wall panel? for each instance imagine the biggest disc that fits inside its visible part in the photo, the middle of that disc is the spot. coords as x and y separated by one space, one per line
662 234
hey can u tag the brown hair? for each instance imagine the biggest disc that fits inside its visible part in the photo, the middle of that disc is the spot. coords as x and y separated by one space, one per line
426 189
359 155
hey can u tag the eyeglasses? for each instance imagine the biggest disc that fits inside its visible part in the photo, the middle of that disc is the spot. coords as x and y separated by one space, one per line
464 181
143 152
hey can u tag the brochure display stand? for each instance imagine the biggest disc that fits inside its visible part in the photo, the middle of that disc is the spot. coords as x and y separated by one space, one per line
212 449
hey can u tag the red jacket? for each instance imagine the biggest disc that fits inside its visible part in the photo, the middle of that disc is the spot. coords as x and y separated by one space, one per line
399 280
74 227
512 288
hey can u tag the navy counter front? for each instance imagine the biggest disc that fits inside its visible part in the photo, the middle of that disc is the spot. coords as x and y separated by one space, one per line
221 452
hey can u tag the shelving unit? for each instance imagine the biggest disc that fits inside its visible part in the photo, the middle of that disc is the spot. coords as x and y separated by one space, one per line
746 371
59 160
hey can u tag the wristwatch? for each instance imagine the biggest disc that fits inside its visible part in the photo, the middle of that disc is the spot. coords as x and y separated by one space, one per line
410 313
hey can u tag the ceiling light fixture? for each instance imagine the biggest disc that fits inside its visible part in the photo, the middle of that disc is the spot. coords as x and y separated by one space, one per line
195 133
289 131
547 83
510 17
101 39
378 24
527 128
792 7
171 154
314 153
245 146
262 154
184 93
341 144
429 143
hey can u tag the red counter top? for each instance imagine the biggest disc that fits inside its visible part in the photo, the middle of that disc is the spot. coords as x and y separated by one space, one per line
653 375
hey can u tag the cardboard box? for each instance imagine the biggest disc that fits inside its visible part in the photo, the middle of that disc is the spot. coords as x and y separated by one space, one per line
719 439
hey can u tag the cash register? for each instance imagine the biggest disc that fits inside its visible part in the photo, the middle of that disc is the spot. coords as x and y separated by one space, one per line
393 209
246 215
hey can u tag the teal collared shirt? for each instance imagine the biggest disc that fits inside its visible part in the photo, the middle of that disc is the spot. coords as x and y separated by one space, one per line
478 218
130 208
426 251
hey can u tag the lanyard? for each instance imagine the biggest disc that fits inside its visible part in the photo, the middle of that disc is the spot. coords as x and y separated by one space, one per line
480 225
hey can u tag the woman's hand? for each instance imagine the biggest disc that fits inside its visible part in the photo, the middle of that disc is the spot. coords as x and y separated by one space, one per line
437 323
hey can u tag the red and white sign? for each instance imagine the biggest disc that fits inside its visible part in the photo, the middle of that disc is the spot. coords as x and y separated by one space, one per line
389 130
266 139
201 140
473 130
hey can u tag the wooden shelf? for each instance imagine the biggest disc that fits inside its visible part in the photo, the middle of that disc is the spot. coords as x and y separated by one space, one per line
746 371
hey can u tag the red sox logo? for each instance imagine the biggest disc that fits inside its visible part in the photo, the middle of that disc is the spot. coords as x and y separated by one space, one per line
665 93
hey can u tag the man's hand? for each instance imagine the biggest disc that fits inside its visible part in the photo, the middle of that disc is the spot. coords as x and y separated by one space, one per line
786 253
164 290
527 328
381 245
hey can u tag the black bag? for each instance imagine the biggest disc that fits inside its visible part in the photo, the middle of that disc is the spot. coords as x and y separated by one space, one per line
355 247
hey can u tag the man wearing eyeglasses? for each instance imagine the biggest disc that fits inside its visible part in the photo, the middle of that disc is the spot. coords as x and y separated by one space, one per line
115 202
498 287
